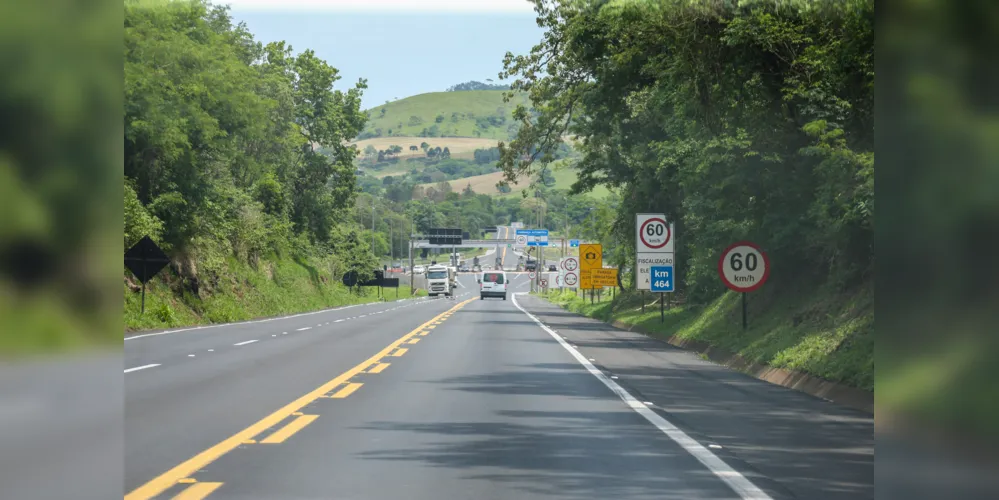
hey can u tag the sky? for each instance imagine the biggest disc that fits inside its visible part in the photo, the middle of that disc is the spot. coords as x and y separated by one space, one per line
402 47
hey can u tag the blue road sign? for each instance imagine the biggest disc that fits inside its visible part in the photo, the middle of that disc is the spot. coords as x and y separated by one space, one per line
662 279
573 243
535 237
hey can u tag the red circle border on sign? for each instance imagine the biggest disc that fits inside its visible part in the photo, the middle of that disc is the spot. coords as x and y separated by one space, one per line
641 232
721 266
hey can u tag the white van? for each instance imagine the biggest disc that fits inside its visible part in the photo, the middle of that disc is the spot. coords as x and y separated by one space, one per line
493 284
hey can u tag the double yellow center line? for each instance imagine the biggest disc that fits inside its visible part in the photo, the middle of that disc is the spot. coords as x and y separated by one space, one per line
182 472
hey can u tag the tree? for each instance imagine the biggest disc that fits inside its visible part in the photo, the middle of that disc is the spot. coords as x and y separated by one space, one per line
439 118
468 190
446 153
370 150
424 146
734 120
414 148
415 120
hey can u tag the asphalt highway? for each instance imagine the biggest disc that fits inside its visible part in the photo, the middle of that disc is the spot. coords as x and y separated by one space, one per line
458 398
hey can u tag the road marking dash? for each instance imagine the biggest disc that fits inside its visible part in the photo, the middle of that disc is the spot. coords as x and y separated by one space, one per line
424 333
380 367
187 480
303 329
400 352
197 491
143 367
337 321
280 435
190 355
413 341
245 342
347 390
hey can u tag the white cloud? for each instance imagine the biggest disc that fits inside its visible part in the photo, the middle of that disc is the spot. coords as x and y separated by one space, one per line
431 6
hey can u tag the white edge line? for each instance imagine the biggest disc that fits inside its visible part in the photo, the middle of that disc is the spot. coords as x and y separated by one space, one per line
143 367
244 343
205 327
735 480
303 329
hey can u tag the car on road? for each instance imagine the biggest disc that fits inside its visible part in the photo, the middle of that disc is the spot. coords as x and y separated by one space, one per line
531 265
552 267
492 284
463 269
419 269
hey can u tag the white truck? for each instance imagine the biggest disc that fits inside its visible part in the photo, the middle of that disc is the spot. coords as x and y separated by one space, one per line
440 280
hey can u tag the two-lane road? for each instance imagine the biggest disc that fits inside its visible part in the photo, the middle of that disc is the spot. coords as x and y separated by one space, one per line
420 399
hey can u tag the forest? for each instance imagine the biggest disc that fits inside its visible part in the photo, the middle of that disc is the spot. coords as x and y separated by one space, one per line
752 121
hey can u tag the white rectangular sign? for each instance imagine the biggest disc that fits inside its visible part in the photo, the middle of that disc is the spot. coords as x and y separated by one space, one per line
654 234
654 241
645 261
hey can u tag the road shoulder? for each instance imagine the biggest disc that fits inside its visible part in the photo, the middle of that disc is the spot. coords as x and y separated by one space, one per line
811 447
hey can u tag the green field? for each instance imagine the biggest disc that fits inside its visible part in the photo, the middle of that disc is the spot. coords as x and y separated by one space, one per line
469 106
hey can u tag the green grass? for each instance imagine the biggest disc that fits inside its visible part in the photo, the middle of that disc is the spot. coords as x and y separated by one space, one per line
480 103
275 288
826 334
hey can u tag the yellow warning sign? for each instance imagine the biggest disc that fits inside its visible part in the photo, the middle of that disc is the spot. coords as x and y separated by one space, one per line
591 256
603 277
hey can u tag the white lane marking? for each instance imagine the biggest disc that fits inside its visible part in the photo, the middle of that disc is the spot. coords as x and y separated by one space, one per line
205 327
337 321
143 367
304 329
211 350
190 355
735 480
273 335
246 342
284 333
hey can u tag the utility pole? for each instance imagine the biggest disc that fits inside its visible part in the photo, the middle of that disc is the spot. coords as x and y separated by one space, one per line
373 224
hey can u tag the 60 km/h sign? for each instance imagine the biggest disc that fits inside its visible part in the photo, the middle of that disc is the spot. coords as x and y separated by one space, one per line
654 234
743 267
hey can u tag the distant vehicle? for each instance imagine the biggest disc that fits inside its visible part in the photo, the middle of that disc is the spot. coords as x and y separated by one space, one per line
419 269
531 265
463 268
492 284
552 267
440 280
476 268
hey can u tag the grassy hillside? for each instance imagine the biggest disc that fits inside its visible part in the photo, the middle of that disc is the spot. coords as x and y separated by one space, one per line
476 113
486 184
818 331
272 288
460 147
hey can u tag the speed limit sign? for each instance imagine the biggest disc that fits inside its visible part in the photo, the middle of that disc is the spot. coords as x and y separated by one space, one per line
654 234
744 267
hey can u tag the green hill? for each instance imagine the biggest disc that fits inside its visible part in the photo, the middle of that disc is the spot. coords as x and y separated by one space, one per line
474 113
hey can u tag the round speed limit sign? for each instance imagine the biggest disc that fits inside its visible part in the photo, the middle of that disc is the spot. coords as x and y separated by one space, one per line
743 267
654 234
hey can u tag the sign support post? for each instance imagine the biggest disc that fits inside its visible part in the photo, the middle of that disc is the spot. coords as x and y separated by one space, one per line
143 310
662 314
743 311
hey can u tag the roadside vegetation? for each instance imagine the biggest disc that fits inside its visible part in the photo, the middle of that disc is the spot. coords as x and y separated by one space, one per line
749 121
221 169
